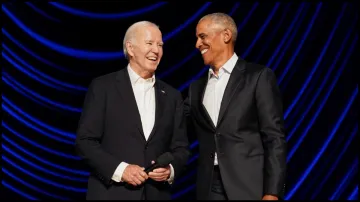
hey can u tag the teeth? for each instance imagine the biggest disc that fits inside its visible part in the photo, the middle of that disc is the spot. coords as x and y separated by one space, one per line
204 51
152 58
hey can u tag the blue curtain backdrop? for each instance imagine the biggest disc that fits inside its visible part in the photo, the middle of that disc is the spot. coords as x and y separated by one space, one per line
51 51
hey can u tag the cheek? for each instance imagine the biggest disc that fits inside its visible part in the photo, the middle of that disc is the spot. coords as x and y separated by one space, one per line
206 42
217 48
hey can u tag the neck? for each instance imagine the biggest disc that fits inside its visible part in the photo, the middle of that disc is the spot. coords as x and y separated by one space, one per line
222 59
141 72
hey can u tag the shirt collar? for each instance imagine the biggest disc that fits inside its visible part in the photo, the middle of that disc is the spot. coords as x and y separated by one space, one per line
135 78
227 67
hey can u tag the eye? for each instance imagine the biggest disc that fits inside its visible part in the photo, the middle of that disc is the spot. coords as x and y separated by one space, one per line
160 45
149 43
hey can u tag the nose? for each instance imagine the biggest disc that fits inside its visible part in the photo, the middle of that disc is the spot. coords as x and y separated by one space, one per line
155 48
198 43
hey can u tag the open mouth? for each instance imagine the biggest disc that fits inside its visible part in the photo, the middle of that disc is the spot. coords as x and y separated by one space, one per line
154 59
204 51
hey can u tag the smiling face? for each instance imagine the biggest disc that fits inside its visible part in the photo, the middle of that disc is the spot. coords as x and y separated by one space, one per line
210 42
145 49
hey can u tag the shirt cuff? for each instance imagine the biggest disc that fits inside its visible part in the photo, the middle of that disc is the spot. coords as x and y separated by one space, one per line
172 174
119 172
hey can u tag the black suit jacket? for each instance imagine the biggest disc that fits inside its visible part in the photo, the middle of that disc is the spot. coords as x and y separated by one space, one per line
110 132
249 137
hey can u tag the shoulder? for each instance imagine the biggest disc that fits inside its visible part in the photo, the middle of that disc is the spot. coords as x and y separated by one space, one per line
105 78
258 70
104 81
262 75
254 68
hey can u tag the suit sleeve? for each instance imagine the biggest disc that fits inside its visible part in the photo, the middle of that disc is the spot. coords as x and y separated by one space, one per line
270 113
188 115
187 104
179 145
89 134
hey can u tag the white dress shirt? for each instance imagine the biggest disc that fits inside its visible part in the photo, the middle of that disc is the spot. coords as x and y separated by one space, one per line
215 90
144 92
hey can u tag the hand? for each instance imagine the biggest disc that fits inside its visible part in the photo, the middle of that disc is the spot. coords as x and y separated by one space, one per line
134 175
269 198
160 174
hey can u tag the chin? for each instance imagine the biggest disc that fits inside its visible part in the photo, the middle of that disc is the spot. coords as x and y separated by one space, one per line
152 68
206 62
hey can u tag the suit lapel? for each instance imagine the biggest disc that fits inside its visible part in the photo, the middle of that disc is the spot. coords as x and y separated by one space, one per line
236 80
124 87
160 100
201 93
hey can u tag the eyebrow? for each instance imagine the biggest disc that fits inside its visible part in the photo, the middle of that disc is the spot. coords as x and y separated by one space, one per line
201 34
153 41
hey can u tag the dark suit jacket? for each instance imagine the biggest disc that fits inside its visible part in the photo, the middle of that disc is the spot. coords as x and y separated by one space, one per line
249 138
110 131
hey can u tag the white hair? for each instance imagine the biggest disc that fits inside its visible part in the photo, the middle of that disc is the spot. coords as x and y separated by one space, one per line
225 21
131 32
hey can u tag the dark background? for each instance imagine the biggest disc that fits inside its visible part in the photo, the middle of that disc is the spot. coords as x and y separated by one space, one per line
51 52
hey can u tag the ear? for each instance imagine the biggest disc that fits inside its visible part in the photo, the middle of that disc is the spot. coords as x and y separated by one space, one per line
227 36
129 48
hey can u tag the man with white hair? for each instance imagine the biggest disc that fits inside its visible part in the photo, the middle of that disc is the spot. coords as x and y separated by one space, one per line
129 119
236 113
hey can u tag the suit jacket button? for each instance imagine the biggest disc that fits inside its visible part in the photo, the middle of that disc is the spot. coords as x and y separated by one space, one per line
146 147
211 155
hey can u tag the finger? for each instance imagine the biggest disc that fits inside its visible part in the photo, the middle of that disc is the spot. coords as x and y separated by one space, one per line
159 178
132 183
143 174
152 174
137 181
160 175
140 178
160 170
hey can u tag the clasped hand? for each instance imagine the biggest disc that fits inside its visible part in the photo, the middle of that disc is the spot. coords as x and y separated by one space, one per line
135 175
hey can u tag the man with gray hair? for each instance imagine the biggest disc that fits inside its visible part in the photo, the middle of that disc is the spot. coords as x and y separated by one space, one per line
129 119
236 112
